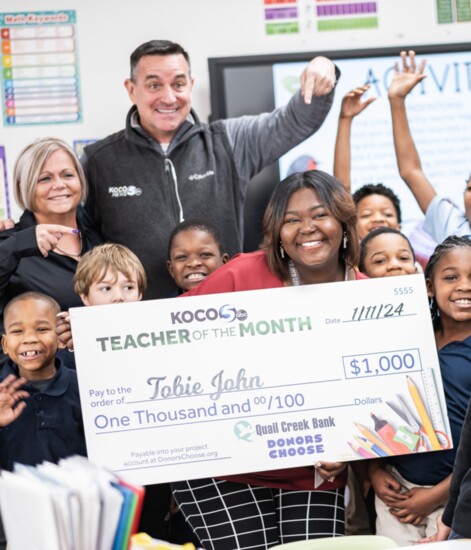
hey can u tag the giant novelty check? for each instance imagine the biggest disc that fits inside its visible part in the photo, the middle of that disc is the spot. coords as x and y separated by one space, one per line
222 384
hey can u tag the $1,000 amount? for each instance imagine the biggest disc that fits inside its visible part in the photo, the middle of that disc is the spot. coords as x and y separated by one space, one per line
382 363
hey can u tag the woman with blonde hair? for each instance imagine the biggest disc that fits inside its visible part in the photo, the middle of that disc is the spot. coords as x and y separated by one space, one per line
41 252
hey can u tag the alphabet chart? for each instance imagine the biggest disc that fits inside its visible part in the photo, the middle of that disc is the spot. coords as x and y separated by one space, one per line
39 68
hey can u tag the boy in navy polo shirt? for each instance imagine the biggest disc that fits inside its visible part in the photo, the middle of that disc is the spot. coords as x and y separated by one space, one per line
40 413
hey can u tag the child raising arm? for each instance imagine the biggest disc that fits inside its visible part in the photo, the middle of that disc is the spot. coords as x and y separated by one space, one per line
352 105
442 217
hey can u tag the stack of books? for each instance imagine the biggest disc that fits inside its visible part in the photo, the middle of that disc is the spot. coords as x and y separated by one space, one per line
73 505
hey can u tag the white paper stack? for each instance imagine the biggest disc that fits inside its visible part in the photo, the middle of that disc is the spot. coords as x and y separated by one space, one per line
70 506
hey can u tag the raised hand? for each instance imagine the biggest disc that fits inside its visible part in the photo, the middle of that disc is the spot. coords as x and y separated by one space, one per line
11 405
405 80
318 78
352 104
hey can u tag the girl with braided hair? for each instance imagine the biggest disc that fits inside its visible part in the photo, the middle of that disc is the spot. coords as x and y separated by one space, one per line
452 250
411 490
451 262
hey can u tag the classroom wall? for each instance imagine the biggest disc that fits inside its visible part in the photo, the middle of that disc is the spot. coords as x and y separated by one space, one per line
108 31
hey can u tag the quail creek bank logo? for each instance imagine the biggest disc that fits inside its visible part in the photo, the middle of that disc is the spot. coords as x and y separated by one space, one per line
282 447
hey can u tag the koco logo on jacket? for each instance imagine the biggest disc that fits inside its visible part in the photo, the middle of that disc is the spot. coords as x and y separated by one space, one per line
125 191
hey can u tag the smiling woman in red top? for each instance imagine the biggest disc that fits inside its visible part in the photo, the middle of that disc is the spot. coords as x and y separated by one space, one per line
309 237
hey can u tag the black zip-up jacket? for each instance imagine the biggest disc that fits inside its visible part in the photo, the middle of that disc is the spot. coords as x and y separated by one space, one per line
138 194
23 267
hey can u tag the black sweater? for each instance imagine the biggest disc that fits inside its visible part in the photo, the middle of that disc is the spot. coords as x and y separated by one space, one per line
457 514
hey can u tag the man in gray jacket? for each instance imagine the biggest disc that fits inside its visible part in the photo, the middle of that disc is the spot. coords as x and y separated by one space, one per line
166 165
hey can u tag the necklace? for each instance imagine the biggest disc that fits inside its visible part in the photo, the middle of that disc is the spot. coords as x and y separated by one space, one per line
73 254
294 275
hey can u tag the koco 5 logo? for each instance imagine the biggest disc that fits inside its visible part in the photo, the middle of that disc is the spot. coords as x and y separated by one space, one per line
227 313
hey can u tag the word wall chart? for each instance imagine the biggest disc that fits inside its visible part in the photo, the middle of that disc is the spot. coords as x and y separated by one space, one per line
39 68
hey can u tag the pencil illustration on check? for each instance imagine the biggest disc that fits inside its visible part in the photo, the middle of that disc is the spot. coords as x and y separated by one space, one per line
369 436
427 427
418 424
362 451
370 446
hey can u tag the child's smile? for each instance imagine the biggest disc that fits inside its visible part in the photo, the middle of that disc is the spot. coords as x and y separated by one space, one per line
452 284
30 338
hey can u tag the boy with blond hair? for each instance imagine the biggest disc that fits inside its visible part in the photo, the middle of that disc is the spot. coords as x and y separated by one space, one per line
108 274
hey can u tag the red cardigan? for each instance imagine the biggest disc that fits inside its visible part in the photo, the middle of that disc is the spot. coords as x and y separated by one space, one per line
243 272
251 272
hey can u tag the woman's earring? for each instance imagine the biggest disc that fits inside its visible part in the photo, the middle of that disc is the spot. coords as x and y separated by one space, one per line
345 240
282 250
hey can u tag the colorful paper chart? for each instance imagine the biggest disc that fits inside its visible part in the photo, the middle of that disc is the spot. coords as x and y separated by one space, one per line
335 15
39 68
453 11
300 16
281 17
4 197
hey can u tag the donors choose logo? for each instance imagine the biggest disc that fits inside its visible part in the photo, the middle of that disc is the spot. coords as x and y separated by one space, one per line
227 313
